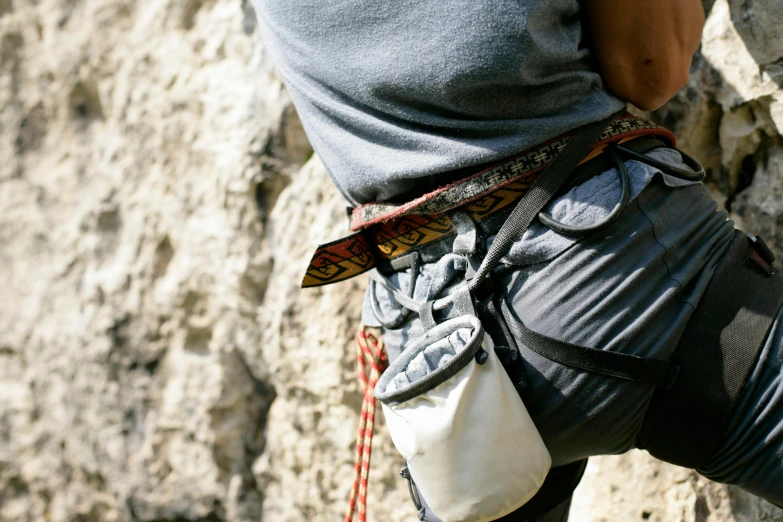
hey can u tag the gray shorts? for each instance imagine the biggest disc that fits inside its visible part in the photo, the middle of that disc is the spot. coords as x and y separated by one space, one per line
632 289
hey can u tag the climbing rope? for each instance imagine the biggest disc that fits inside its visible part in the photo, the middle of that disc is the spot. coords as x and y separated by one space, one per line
371 362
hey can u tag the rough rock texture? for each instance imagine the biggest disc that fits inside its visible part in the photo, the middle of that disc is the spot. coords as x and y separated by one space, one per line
636 487
142 143
157 360
730 115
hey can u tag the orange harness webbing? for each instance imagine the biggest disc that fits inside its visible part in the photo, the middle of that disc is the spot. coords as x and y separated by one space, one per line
387 231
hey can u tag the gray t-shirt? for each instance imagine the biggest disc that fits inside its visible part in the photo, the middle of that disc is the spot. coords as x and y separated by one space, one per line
391 92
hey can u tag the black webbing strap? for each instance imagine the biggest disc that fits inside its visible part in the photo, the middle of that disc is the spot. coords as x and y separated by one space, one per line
542 191
536 198
717 353
614 364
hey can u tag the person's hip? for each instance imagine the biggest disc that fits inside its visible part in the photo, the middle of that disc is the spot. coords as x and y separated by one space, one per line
630 288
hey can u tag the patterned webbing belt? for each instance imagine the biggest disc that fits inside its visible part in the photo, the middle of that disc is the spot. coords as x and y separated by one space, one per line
386 231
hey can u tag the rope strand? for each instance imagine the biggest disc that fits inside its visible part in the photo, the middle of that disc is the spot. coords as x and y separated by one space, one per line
371 361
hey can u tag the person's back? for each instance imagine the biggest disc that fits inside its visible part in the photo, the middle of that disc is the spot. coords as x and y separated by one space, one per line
391 93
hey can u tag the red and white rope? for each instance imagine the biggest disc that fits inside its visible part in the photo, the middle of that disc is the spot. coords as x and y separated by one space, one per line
371 362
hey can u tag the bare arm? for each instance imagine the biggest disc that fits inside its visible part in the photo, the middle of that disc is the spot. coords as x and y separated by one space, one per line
644 47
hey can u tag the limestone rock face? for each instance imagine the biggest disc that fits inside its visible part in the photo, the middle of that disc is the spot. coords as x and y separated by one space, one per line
730 115
158 361
141 145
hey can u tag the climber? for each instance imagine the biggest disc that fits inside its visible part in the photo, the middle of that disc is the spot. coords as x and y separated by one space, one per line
435 119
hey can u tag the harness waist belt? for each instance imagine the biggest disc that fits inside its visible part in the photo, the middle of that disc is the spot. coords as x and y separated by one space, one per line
387 231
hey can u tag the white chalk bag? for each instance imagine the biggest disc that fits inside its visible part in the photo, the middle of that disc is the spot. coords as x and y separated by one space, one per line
454 414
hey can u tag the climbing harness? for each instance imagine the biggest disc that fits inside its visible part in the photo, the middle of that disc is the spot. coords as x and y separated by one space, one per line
431 391
385 232
370 364
453 412
685 422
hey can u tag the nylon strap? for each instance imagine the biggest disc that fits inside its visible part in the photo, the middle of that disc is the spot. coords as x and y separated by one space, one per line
717 353
390 230
466 242
613 364
536 198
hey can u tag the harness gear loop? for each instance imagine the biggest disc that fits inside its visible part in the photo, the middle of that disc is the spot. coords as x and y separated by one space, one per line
371 361
617 211
696 173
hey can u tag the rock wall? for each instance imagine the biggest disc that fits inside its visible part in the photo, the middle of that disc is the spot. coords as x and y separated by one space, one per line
142 146
157 360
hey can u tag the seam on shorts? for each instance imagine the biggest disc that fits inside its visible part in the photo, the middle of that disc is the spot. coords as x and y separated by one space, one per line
669 269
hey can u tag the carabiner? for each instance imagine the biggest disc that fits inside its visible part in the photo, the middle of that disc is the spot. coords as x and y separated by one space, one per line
581 231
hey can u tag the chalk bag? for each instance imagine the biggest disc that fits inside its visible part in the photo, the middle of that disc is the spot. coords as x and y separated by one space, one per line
454 414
